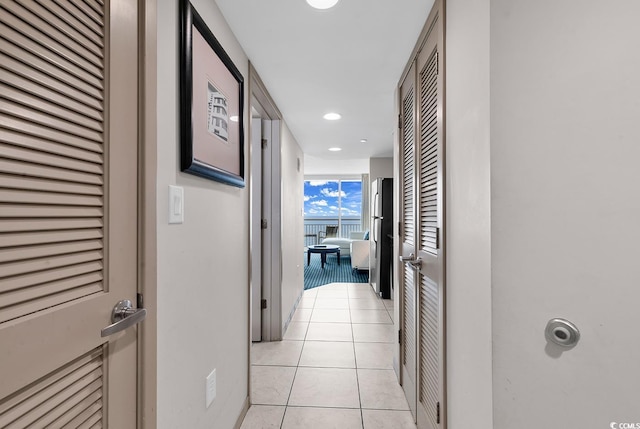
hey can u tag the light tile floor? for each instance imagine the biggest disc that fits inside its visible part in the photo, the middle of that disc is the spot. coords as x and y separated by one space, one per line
333 369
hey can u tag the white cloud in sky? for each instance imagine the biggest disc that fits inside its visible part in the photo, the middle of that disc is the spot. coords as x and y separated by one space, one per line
307 198
349 212
321 203
313 211
334 194
318 182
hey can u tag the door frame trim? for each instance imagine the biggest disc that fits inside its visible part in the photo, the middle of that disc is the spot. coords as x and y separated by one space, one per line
147 220
260 99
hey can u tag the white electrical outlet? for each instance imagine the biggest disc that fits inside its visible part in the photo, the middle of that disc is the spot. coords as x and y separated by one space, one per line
211 388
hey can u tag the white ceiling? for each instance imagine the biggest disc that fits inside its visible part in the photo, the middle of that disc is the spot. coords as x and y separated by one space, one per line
347 59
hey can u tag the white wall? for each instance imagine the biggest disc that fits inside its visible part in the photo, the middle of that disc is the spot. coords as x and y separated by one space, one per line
468 211
203 292
380 167
292 222
321 166
565 146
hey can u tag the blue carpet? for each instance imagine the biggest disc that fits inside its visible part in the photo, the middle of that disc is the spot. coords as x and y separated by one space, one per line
315 276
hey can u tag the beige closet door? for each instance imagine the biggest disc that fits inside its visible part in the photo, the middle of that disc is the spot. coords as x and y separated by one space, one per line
422 229
430 245
68 211
408 355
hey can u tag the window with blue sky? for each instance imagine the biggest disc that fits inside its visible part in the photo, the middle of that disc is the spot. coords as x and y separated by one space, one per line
333 198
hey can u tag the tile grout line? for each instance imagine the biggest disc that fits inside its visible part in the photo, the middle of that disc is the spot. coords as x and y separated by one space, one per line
355 358
304 340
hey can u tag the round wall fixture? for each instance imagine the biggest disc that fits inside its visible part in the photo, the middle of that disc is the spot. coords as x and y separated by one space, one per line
562 332
322 4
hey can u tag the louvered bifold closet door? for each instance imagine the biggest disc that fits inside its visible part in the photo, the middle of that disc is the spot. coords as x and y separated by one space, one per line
52 98
429 394
407 231
430 220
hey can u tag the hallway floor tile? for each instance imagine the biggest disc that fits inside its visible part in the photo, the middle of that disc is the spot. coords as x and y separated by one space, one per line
334 368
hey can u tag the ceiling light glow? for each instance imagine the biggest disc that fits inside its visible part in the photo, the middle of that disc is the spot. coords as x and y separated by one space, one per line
322 4
332 116
363 140
335 149
233 118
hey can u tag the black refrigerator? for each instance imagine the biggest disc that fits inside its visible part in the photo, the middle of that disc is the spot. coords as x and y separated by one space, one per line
381 237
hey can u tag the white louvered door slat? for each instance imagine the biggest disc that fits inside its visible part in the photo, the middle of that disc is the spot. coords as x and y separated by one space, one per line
15 150
50 147
36 102
36 184
49 135
408 167
40 85
33 265
47 120
34 66
67 25
86 65
27 39
68 211
78 25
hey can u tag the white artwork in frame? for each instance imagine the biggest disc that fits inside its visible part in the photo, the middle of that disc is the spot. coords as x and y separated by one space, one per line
217 115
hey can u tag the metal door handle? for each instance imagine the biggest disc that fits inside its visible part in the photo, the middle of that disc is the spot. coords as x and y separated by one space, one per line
123 317
414 262
407 258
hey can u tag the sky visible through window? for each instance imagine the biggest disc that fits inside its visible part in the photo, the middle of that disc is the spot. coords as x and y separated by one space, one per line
321 198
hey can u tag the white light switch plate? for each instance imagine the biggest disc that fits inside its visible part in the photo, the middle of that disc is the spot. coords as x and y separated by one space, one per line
176 204
211 388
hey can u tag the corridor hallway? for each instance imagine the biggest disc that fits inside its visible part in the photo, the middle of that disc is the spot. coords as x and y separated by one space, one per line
333 368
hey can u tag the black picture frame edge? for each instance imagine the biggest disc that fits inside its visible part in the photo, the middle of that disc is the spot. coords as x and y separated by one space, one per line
189 18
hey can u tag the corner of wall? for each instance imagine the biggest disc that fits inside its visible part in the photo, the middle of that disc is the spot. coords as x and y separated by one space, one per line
292 176
468 215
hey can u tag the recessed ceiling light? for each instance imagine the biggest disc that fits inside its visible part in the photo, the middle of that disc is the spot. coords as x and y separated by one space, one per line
322 4
335 149
363 140
233 118
332 116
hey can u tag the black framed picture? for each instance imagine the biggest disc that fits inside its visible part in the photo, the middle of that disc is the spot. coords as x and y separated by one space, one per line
211 104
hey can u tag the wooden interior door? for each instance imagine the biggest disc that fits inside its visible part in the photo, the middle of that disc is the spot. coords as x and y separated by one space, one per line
408 218
430 215
68 211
